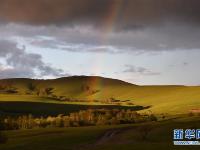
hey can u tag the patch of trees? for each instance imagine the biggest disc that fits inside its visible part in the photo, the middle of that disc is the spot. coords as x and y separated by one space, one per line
7 88
90 91
34 89
90 117
115 101
45 92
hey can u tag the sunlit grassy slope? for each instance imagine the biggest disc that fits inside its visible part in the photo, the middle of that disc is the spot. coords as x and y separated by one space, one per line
162 99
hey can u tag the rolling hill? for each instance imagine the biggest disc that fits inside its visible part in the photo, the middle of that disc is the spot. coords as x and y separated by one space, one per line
98 90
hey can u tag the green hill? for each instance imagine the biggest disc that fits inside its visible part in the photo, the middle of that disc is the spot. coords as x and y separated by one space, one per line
98 90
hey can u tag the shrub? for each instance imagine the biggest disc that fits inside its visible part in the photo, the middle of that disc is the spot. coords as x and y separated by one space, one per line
31 87
153 118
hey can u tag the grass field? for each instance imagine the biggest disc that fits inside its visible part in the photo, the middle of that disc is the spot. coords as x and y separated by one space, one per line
100 138
162 99
91 92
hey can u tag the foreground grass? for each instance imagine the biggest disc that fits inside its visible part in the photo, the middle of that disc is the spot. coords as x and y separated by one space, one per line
161 137
56 138
84 138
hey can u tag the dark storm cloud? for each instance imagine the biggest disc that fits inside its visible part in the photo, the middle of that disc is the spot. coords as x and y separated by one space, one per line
53 11
130 14
76 25
19 63
88 39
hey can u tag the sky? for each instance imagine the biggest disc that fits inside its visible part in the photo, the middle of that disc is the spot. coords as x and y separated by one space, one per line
145 42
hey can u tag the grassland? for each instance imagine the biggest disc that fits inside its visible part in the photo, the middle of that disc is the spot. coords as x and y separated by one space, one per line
162 99
75 93
123 137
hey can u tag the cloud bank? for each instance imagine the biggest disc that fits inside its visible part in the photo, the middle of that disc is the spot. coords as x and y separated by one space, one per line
18 63
115 25
128 13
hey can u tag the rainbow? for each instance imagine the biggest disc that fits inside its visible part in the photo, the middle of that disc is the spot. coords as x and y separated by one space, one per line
113 14
108 26
95 85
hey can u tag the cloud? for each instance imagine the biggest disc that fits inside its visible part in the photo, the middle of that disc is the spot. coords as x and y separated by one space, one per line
15 72
139 70
76 47
19 63
88 39
185 63
103 26
128 14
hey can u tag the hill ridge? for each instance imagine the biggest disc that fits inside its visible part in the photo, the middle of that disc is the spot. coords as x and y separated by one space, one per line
67 78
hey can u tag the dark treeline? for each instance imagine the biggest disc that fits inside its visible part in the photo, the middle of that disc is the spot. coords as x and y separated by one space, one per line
90 117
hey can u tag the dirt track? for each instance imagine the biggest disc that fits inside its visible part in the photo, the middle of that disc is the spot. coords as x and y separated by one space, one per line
111 135
108 135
